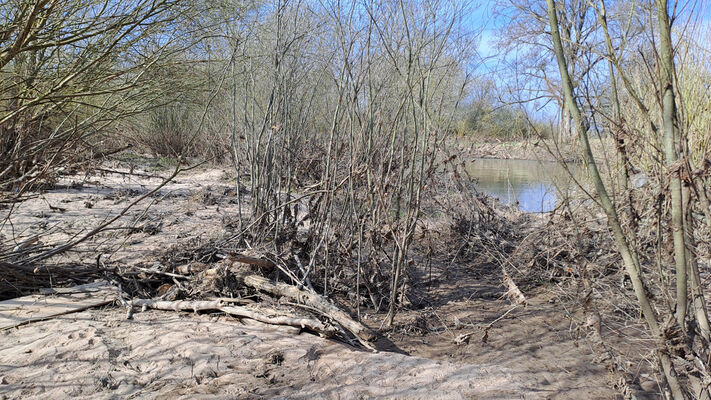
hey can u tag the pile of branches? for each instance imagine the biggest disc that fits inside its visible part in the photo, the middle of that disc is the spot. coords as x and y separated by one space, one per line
208 277
335 263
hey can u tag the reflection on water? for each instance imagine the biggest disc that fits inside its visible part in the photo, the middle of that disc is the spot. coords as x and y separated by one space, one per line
533 185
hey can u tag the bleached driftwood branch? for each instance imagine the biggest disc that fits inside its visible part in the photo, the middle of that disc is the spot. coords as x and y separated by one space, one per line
316 301
261 315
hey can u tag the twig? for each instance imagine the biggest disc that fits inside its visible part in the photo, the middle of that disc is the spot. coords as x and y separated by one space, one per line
155 271
464 338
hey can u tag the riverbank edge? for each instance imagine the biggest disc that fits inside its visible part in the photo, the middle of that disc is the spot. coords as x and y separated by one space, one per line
529 149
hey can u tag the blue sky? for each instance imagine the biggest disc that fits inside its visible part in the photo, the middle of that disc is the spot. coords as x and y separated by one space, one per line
481 16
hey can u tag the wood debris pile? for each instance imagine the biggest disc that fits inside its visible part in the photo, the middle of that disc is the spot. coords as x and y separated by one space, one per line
237 284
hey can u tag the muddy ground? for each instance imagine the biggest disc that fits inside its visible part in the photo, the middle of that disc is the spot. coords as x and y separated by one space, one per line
530 352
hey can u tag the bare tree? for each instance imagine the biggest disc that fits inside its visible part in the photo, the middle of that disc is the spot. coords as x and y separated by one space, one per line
70 70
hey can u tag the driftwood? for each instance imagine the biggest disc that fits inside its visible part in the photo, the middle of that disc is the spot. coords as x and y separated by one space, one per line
261 315
513 291
315 301
240 270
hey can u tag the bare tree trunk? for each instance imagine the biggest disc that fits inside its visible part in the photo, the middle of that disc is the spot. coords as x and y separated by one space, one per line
671 136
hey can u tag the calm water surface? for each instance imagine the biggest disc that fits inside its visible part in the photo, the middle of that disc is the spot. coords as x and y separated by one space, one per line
533 185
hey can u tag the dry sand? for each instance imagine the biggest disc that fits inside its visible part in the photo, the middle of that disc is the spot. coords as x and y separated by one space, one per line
99 354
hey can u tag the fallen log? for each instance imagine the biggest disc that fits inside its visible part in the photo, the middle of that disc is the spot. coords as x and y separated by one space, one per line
261 315
315 301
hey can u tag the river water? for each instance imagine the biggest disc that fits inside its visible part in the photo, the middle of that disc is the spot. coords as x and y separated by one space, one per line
535 186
